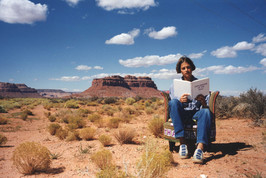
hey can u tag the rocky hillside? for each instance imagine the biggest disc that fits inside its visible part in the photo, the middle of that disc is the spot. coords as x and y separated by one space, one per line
117 86
17 91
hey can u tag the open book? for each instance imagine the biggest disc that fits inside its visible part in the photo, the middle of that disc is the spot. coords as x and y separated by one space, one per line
200 86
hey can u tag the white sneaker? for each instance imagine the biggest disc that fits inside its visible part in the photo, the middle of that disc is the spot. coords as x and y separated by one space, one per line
183 152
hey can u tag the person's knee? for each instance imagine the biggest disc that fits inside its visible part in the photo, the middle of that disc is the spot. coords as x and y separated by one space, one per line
175 103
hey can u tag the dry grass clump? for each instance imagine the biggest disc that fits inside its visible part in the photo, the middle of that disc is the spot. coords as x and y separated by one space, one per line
94 117
76 122
130 101
105 140
103 159
156 126
24 116
2 109
72 136
3 139
61 133
113 122
149 110
87 133
52 118
154 162
52 128
30 157
74 104
125 135
111 172
3 120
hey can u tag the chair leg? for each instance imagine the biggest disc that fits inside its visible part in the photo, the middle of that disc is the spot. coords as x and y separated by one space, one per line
171 146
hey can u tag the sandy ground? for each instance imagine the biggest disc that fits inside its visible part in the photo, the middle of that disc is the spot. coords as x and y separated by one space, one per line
239 150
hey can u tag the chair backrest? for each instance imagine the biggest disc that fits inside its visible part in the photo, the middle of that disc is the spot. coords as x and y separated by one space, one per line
167 98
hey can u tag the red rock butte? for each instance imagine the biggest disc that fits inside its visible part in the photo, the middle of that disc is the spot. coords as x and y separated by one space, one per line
117 86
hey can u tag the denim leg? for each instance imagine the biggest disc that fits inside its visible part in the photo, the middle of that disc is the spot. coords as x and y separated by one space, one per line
203 118
176 111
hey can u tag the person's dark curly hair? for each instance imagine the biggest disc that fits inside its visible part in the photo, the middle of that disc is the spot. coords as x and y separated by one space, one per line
184 59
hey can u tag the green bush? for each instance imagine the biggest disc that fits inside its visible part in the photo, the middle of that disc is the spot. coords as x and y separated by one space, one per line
2 110
113 122
94 117
105 140
30 157
110 100
72 104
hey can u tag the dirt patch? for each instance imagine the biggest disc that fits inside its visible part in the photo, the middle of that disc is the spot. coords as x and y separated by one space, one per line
239 149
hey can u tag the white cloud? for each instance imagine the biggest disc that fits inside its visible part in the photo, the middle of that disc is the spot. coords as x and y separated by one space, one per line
72 2
22 11
243 46
83 67
259 38
67 78
261 49
197 55
164 33
98 67
125 4
224 52
150 60
263 62
124 38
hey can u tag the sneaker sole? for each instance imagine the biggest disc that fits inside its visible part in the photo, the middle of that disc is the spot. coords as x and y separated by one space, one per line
197 161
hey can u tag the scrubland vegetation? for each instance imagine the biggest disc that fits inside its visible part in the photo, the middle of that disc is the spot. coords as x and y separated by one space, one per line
79 119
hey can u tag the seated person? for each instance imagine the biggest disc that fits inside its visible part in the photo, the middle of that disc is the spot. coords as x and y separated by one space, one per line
184 111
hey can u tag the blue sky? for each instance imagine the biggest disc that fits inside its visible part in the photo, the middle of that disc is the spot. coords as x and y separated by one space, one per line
64 44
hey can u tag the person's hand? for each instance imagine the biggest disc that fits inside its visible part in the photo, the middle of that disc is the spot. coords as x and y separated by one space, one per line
202 100
183 98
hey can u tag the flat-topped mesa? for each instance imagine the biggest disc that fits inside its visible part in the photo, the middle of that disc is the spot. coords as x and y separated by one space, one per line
115 80
117 86
17 91
133 81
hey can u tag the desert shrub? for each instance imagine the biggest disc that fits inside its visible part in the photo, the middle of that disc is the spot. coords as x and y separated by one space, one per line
147 103
61 133
111 172
87 133
125 135
94 117
100 123
154 162
72 136
24 116
92 103
28 112
103 159
3 120
30 157
105 140
130 101
2 110
76 122
52 128
72 104
149 110
3 139
110 100
130 111
52 118
257 103
113 122
156 126
126 118
84 112
224 106
47 114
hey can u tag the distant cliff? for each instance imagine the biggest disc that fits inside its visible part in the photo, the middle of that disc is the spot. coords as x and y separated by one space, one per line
54 93
17 91
117 86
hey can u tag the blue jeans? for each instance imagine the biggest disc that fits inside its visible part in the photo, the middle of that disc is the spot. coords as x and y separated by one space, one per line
180 117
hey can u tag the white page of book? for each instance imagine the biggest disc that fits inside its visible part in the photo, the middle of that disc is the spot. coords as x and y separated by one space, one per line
194 88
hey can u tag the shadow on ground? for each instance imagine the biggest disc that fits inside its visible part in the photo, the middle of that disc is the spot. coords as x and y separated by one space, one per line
224 149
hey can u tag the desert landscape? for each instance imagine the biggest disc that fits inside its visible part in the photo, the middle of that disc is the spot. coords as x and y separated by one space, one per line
239 149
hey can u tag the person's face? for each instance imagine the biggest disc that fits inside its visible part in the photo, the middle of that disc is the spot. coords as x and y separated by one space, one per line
186 70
